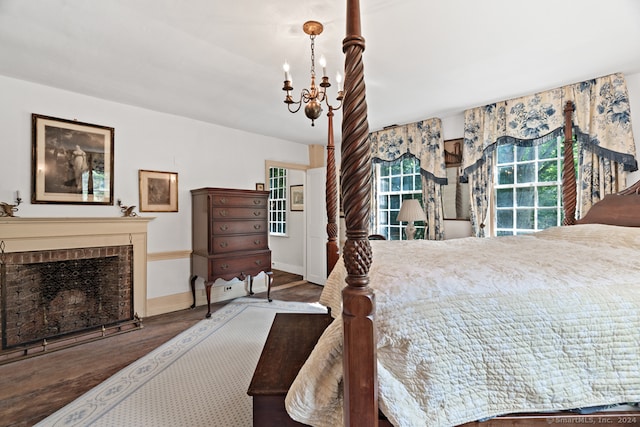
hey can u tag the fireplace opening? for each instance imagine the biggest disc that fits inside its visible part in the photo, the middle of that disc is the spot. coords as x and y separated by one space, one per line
51 294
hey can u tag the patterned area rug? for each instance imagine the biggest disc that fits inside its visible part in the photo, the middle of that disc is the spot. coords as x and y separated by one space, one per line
199 378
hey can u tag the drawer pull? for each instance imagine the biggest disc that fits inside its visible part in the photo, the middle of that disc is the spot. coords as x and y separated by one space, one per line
257 201
224 227
257 241
257 213
224 266
223 212
224 244
223 200
258 262
257 226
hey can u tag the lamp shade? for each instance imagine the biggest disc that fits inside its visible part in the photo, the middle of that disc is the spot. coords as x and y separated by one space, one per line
411 211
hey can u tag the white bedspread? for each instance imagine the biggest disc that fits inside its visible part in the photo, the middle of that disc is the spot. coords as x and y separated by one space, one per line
473 328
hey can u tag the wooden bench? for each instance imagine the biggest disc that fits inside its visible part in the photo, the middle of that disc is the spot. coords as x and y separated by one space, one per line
289 343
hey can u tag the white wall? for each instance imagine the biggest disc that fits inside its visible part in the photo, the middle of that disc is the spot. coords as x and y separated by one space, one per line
203 155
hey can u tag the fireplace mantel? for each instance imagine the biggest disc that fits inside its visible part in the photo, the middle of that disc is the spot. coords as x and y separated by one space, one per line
35 234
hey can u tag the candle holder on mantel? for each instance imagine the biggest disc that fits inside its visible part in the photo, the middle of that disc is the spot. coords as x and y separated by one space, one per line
127 211
7 209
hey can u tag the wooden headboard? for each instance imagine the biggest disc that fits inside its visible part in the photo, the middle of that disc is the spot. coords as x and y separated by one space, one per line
616 209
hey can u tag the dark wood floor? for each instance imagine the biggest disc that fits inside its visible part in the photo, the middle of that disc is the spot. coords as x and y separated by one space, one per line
31 389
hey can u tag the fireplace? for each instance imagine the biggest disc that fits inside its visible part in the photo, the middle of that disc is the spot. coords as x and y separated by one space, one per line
53 293
68 280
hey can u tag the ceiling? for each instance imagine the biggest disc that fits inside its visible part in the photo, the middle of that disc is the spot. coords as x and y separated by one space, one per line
220 61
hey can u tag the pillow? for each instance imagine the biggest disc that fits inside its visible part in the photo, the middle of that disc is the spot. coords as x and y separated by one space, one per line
615 209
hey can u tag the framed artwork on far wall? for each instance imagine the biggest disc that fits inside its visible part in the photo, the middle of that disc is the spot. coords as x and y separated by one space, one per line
158 191
297 197
72 162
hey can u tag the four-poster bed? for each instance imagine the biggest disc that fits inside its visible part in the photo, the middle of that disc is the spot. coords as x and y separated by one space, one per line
353 344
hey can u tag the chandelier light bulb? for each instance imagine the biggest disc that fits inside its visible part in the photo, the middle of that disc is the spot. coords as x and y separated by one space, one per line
339 81
285 67
323 64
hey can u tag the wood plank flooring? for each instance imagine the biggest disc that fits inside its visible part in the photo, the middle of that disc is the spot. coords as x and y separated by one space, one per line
31 389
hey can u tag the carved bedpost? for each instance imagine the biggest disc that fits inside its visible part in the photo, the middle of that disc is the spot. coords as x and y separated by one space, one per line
333 251
359 363
569 191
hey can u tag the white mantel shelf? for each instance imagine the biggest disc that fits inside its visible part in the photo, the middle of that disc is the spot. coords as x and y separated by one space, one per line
19 234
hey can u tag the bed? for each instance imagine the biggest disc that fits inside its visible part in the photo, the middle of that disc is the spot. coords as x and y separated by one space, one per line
372 357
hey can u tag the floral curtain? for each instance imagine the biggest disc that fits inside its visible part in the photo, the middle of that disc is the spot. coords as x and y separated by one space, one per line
424 141
602 125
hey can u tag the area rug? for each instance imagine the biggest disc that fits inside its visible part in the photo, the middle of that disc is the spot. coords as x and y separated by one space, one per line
199 378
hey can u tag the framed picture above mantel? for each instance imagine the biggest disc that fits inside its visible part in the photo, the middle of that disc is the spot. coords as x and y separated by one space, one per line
72 161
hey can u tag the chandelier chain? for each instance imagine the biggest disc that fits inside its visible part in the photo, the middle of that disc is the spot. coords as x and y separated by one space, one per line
313 55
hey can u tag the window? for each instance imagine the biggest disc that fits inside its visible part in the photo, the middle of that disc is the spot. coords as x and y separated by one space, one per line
396 182
528 187
277 201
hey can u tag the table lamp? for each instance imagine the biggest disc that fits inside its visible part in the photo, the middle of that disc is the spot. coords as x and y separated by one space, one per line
411 211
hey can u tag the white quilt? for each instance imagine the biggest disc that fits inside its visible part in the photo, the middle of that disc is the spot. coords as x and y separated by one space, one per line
473 328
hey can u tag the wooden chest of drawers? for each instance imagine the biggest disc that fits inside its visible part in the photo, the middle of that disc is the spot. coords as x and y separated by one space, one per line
230 237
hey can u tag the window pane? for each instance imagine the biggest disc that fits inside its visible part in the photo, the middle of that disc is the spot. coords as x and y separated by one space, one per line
525 218
548 196
505 154
505 175
395 201
504 218
548 171
407 166
407 183
548 150
525 153
396 168
394 233
417 182
384 169
383 217
384 185
504 198
525 196
395 183
547 218
383 202
526 173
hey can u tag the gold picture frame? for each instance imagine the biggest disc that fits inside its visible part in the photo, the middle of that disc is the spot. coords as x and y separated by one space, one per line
72 161
158 191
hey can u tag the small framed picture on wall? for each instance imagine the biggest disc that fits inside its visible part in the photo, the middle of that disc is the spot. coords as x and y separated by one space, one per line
297 197
158 191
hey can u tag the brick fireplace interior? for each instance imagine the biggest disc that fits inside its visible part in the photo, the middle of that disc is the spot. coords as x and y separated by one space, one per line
53 293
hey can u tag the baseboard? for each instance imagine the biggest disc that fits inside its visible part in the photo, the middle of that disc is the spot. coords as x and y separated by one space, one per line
219 292
288 268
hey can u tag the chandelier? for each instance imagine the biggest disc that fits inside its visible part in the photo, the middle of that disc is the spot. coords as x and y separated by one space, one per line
315 95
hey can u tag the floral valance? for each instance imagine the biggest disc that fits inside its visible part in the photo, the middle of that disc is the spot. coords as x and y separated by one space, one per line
601 120
421 139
